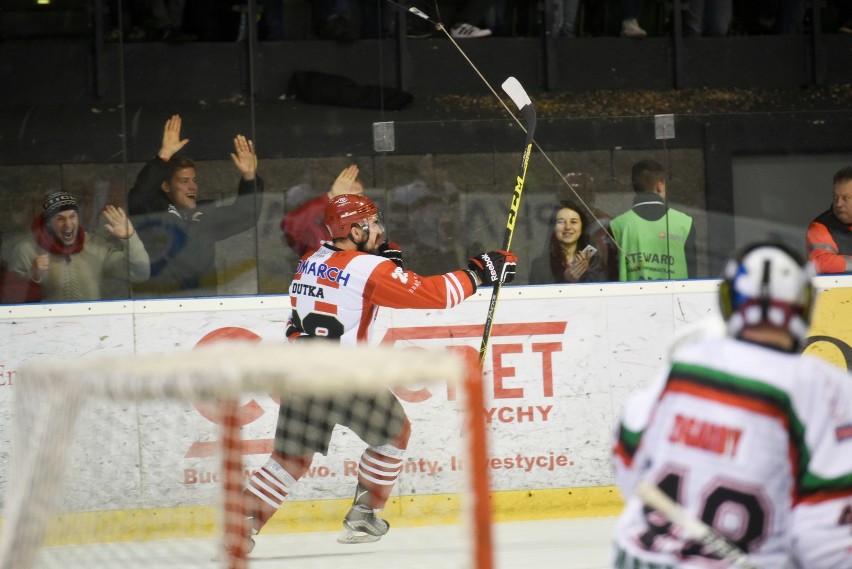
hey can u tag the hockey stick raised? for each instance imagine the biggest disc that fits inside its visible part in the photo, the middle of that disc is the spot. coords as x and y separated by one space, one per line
652 496
516 92
440 27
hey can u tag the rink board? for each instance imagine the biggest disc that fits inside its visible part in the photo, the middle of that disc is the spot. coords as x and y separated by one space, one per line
561 361
107 526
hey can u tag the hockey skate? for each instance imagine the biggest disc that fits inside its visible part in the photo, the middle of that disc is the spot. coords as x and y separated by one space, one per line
249 543
249 547
362 525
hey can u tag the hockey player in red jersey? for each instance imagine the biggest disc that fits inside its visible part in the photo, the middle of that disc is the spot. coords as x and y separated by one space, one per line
747 435
335 294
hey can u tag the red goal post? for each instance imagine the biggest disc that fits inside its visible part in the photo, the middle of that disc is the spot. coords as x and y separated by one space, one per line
218 373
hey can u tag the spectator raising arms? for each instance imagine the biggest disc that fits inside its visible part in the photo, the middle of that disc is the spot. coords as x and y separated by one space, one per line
303 227
179 230
61 261
829 236
568 259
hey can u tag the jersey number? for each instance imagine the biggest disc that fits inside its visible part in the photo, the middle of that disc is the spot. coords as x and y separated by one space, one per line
720 501
322 325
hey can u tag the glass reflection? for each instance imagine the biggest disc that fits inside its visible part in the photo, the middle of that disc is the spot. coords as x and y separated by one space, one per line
182 228
445 185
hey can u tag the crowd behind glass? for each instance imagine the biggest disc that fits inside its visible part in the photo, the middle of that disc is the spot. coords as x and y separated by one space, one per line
175 227
166 236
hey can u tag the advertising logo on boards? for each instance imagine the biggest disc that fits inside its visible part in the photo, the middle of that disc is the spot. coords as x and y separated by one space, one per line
506 339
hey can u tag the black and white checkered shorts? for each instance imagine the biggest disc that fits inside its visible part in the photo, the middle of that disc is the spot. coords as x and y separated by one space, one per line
305 423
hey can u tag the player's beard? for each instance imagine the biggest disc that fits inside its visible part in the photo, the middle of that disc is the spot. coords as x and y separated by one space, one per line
362 246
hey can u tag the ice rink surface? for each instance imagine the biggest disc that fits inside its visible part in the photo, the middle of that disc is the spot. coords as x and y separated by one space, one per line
580 543
568 544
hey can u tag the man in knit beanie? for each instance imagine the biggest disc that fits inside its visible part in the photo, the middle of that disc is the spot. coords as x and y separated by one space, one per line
64 262
57 202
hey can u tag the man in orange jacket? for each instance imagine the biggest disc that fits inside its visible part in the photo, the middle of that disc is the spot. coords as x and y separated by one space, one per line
829 237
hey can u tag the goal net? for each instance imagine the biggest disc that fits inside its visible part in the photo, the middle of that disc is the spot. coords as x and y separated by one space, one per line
141 461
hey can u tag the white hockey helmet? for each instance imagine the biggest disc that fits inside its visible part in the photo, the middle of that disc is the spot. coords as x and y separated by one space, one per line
767 283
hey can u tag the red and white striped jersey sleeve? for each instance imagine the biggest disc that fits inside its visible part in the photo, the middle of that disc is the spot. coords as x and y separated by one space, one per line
394 287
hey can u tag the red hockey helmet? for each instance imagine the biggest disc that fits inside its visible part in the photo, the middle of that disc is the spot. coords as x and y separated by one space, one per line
347 209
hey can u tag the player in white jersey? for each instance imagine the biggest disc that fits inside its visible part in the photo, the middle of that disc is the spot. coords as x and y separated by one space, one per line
335 295
748 436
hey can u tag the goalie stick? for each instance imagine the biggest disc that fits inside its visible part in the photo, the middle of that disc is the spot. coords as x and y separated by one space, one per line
516 92
652 496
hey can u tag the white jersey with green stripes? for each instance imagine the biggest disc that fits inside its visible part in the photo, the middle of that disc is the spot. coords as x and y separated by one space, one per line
755 442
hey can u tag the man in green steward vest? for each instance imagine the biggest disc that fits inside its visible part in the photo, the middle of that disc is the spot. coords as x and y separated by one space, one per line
656 242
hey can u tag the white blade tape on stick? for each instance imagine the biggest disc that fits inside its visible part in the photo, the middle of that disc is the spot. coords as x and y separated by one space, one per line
513 88
439 26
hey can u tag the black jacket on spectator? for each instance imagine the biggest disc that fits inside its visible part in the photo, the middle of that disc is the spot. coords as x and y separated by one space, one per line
182 243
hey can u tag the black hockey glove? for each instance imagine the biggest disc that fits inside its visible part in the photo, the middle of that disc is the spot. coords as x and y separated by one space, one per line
493 265
390 250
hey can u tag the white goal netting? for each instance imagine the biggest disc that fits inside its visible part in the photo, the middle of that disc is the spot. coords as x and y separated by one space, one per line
141 461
